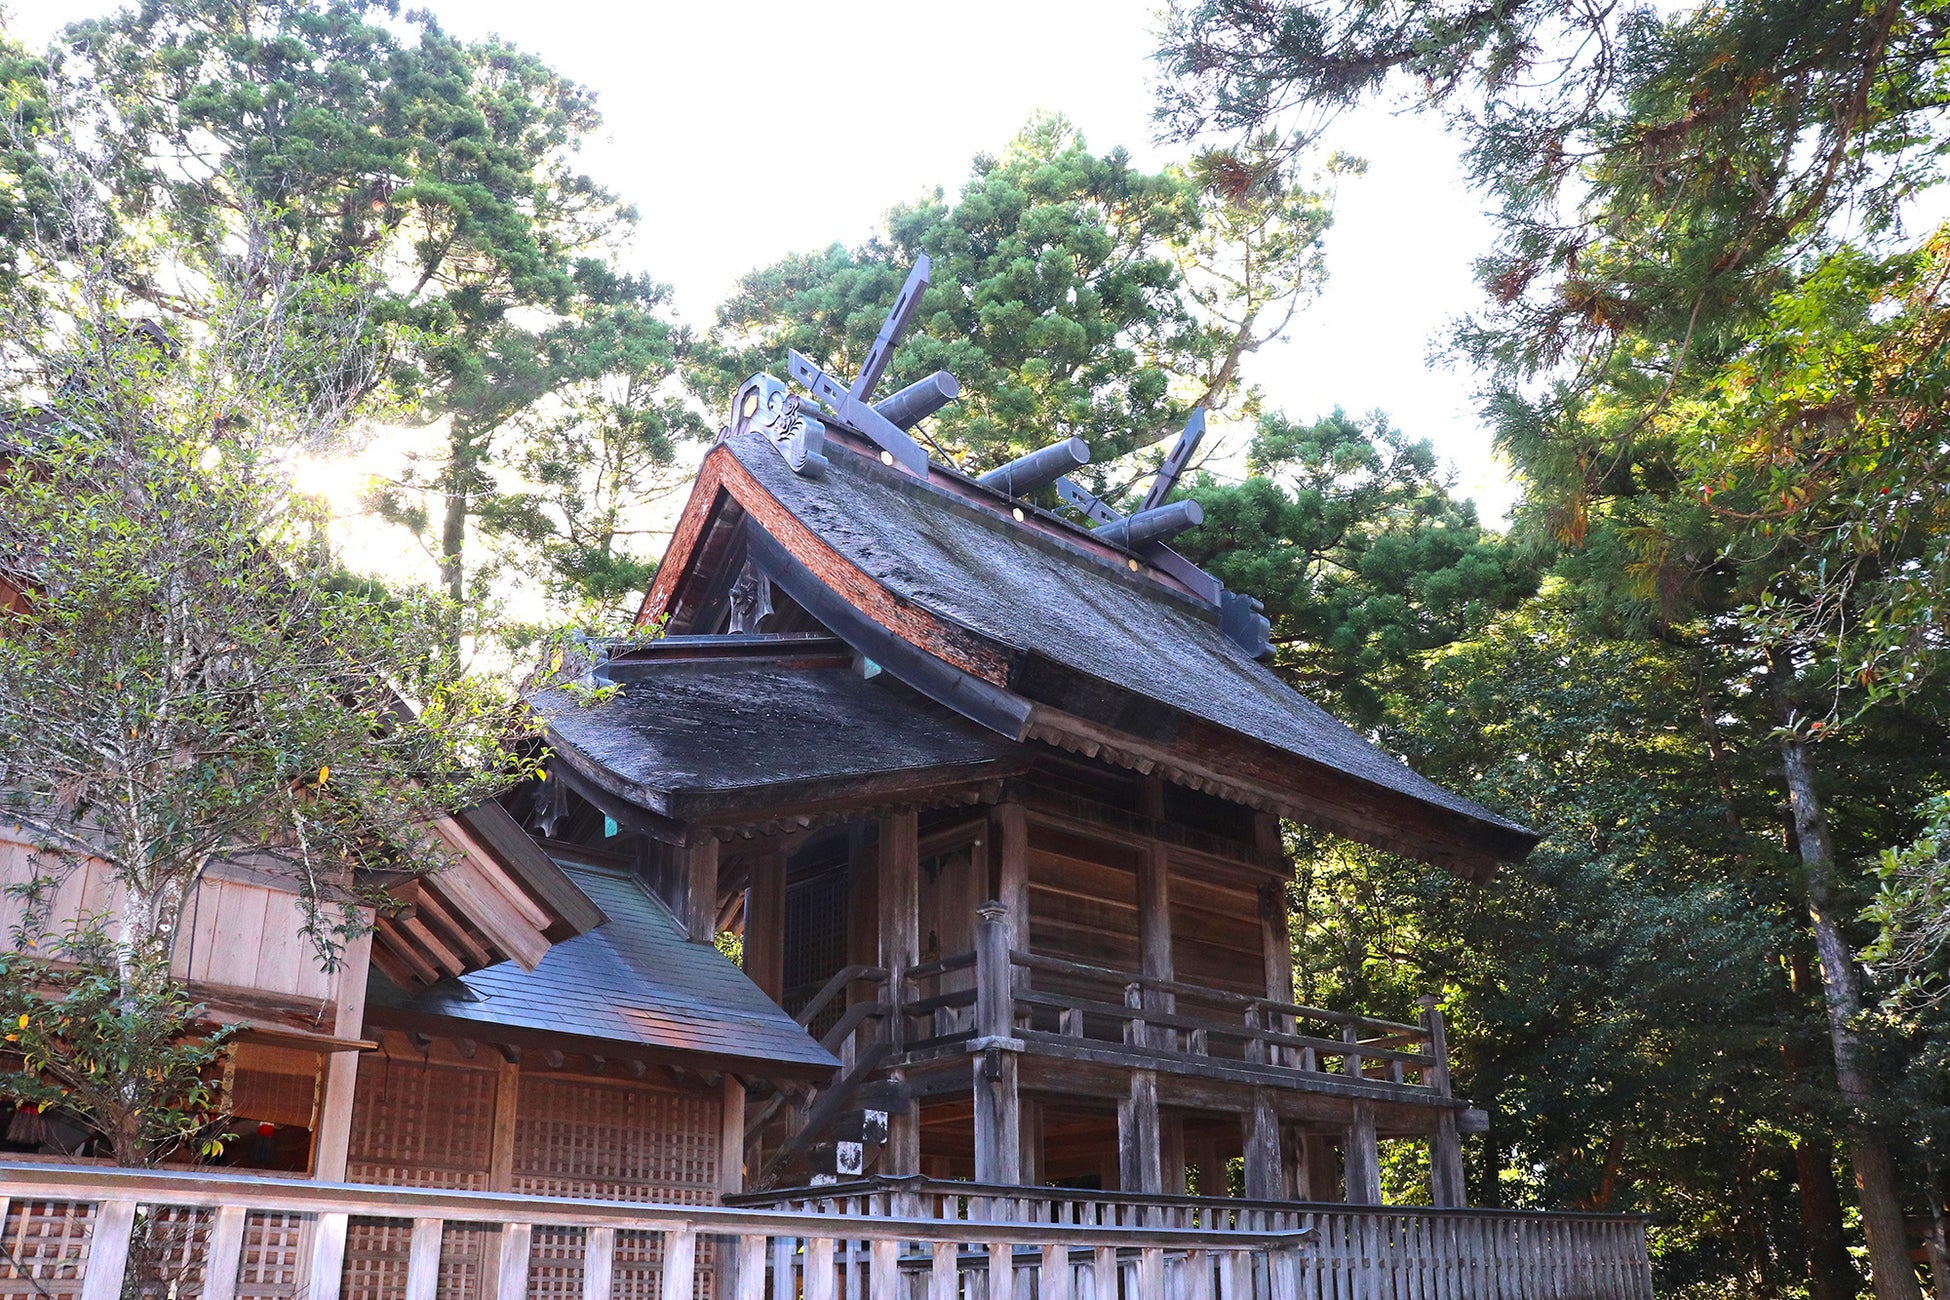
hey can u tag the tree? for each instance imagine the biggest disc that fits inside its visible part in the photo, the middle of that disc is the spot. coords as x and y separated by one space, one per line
1349 534
373 139
74 1021
1073 295
184 678
1673 189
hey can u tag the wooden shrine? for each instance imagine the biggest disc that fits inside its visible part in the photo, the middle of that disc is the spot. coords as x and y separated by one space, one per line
991 797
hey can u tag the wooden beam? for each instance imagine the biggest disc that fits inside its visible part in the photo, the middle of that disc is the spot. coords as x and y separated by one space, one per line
332 1142
765 918
1139 1166
1362 1154
731 1139
1009 833
898 883
1265 1180
701 888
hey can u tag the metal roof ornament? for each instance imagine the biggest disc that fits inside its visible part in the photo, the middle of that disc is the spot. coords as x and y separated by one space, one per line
851 405
763 403
1145 530
1181 455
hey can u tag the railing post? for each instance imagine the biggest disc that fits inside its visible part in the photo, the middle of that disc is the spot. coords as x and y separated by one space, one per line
1103 1273
943 1273
680 1264
328 1259
225 1252
818 1283
1055 1281
108 1251
751 1270
599 1263
512 1270
423 1260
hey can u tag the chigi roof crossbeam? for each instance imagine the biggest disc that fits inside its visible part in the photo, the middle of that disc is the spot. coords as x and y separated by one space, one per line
798 430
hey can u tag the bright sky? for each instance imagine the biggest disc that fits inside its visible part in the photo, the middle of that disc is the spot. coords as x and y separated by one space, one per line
747 129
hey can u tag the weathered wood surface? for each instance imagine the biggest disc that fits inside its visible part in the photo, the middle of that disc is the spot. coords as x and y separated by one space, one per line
1357 1252
1137 1017
759 1255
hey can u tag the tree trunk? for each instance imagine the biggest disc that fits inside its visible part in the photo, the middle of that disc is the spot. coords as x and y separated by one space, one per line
1890 1270
453 543
1831 1273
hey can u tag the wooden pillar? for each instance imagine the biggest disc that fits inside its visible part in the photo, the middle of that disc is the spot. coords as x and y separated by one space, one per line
1171 1153
901 1157
1276 941
998 1099
1323 1169
1009 833
1446 1183
1362 1156
1154 937
1264 1178
501 1142
332 1143
898 884
1030 1132
1139 1167
862 908
765 919
731 1141
1446 1186
701 886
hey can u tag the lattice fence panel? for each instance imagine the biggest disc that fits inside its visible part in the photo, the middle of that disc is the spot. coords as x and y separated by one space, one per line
166 1253
275 1246
614 1142
46 1247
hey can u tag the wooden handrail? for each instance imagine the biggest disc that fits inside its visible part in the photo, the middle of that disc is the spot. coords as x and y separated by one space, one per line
928 970
1002 1191
843 977
1064 966
201 1190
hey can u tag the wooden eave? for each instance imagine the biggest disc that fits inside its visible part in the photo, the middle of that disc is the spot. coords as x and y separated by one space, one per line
536 1040
742 812
500 899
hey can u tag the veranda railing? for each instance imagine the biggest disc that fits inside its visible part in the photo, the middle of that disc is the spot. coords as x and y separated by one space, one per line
1356 1252
738 1254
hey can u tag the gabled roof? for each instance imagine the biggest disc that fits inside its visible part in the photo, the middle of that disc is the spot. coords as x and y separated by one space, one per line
721 727
633 986
1039 631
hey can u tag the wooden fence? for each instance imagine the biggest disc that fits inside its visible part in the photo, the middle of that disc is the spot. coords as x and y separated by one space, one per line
75 1232
1354 1252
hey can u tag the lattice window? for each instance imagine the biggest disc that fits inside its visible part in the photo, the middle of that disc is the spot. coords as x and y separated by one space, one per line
421 1124
815 941
46 1245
